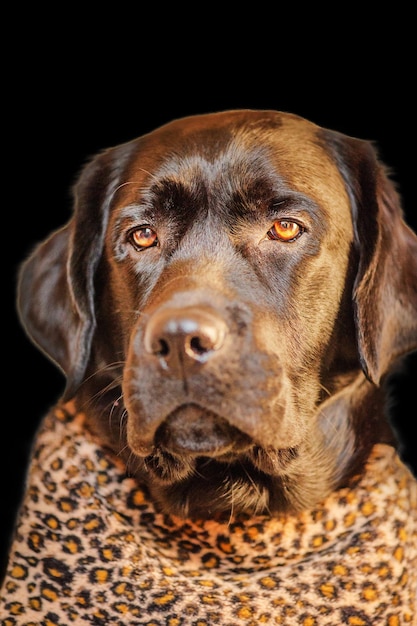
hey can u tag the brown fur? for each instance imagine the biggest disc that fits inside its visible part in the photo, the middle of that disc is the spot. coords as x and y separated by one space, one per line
230 370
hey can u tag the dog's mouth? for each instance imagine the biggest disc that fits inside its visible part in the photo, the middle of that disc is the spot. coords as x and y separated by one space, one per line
194 431
193 442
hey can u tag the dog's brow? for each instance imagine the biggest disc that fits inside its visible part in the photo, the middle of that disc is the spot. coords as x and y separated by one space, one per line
249 209
293 201
132 211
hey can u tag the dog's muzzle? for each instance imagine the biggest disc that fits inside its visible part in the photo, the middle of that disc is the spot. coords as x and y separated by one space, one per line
199 387
183 340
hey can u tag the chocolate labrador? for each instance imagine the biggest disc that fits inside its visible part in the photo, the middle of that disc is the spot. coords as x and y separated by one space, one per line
227 303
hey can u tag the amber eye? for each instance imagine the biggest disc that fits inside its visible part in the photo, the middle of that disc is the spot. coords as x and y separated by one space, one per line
284 230
143 237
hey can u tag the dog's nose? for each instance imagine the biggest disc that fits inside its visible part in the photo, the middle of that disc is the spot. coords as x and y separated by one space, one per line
183 338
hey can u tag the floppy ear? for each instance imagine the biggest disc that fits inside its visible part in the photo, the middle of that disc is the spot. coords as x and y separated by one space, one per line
56 283
47 311
385 290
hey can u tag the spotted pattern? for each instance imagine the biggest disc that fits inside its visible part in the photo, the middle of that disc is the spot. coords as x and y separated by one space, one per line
91 549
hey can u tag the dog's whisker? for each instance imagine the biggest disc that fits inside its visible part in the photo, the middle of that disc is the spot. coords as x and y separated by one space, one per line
132 463
90 402
123 419
107 367
121 451
256 488
231 500
131 182
197 472
115 410
327 391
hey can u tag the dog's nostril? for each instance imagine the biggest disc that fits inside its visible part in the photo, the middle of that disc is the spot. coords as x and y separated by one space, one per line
199 345
184 336
205 339
163 349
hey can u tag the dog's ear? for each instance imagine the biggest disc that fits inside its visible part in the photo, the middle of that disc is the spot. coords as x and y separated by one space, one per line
56 283
385 290
46 306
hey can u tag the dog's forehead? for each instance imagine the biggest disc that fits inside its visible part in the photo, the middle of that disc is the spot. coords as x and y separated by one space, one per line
238 148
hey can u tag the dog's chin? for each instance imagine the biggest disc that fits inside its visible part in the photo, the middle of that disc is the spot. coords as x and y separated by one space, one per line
213 488
201 466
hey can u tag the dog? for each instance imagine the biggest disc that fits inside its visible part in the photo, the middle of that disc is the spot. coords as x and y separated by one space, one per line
227 304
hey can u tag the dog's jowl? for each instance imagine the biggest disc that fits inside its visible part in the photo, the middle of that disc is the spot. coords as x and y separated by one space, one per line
227 303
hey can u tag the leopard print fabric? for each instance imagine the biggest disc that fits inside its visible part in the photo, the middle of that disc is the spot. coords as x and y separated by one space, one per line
91 549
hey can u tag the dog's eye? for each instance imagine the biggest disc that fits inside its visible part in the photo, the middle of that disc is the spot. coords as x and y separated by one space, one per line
285 230
143 238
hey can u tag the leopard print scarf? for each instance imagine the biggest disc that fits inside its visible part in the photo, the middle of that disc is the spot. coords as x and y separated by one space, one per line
89 548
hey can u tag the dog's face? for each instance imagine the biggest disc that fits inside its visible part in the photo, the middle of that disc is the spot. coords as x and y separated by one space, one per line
225 302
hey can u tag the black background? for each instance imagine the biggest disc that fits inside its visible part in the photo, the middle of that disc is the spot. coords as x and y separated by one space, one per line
64 103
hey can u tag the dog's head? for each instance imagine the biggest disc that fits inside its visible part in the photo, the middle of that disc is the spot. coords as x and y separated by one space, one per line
225 303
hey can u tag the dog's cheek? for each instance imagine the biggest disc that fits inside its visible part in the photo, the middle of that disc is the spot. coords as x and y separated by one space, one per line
121 295
293 363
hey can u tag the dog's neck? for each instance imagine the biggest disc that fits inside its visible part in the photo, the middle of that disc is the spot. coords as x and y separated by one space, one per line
352 421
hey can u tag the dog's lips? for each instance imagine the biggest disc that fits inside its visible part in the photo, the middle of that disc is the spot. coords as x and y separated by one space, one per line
193 431
195 441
